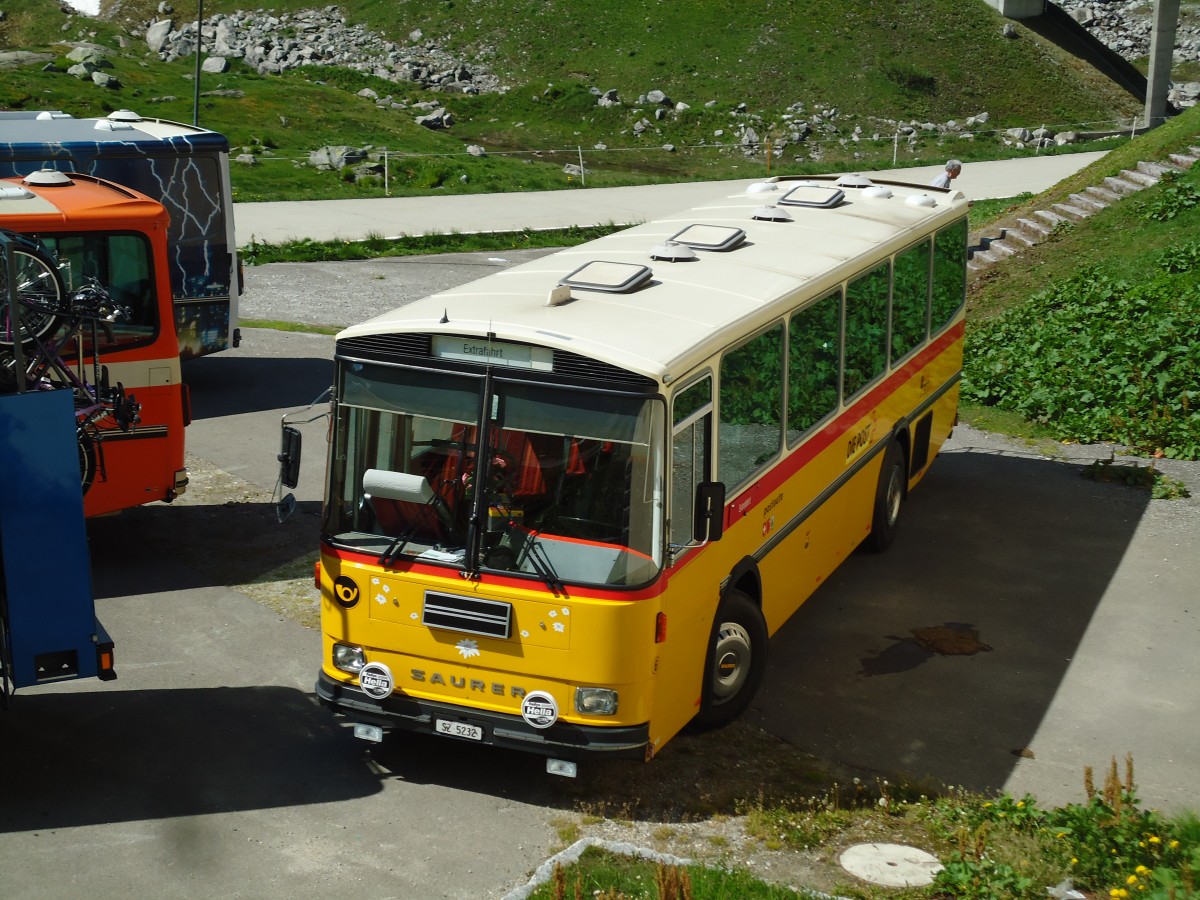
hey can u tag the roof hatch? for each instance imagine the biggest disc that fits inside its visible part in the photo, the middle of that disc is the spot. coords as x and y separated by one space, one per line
810 193
610 277
709 237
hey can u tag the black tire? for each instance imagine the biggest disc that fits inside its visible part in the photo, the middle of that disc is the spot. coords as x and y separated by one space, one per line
735 664
889 499
87 459
39 295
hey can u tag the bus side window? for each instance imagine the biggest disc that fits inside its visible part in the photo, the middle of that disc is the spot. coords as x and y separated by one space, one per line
691 455
751 408
910 300
814 350
866 329
949 273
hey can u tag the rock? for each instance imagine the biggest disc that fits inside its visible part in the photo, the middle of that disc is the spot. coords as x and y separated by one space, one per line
215 65
157 34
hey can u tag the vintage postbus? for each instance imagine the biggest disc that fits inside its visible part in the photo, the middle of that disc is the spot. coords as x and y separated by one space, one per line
94 229
184 167
567 504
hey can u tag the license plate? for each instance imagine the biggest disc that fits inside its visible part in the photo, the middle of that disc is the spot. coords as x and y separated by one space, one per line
458 729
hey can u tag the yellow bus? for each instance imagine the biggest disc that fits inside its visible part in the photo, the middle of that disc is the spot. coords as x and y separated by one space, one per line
568 504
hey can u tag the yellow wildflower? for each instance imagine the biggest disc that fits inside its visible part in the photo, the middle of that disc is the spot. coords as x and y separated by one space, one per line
1155 840
1132 879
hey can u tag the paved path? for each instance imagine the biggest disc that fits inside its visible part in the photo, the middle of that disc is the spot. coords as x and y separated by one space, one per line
325 220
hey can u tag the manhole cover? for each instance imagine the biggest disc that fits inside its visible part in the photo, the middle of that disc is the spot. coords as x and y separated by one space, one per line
890 865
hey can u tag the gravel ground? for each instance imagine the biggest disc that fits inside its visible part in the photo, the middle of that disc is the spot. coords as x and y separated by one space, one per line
344 293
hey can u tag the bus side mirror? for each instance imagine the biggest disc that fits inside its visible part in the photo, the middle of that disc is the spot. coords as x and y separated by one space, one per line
708 520
289 457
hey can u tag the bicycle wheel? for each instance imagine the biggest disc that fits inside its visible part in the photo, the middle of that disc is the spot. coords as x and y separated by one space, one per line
39 295
87 458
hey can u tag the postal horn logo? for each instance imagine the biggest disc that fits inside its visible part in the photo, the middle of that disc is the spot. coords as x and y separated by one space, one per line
539 709
345 591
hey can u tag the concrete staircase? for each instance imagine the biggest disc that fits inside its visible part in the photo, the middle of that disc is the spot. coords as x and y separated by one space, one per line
1009 238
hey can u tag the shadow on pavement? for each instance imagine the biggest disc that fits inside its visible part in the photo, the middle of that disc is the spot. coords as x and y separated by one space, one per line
179 547
228 385
937 660
105 755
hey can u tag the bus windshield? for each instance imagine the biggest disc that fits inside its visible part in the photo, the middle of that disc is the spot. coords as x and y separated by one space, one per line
488 474
122 265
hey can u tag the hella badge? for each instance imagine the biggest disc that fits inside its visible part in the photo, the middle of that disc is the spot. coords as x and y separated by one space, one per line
539 709
376 680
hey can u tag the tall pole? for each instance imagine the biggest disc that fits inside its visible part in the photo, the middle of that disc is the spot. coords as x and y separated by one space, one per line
1162 47
199 46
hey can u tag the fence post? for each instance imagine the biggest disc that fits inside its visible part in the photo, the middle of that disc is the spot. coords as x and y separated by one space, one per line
386 188
582 170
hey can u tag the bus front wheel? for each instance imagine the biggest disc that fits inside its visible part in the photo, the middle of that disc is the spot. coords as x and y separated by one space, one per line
889 498
736 661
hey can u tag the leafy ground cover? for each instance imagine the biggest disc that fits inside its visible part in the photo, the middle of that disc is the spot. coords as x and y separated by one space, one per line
992 848
1096 335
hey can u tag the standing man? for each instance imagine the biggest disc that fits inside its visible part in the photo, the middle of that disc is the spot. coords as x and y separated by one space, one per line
953 169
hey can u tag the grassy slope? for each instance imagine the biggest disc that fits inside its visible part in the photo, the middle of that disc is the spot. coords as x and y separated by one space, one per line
929 60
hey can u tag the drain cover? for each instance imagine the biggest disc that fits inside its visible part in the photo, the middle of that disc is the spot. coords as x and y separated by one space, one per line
891 865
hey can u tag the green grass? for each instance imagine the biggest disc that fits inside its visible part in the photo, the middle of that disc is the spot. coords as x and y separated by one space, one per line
1092 335
929 61
375 246
991 848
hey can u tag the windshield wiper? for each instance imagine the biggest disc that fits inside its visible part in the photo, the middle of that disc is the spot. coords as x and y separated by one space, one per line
541 564
395 548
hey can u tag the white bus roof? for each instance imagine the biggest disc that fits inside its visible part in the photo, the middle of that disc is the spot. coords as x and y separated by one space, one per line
662 323
26 128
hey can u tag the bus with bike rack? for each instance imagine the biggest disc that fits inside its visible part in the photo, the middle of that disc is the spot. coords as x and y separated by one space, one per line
94 316
184 167
566 505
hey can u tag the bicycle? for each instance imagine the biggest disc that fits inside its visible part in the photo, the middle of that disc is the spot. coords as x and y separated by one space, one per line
48 320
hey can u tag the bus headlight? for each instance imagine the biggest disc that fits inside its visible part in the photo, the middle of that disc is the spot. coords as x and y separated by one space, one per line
594 701
348 658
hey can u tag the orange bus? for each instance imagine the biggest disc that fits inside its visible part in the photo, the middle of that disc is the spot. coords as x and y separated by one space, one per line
94 229
567 504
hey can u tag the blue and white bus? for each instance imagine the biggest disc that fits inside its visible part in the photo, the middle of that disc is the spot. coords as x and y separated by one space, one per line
184 167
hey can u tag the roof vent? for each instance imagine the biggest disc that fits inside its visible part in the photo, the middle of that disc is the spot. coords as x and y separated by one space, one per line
124 115
710 237
761 187
810 193
610 277
877 191
47 178
47 114
12 192
771 214
673 251
112 125
854 181
921 200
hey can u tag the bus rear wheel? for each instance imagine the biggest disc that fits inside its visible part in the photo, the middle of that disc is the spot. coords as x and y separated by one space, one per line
736 662
889 498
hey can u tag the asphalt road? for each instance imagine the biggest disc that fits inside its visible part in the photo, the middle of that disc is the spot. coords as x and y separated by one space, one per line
208 768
